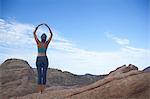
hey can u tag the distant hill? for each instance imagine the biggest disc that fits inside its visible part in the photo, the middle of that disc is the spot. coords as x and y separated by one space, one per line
57 77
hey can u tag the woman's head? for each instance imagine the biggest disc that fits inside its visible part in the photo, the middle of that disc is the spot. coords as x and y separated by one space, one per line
43 37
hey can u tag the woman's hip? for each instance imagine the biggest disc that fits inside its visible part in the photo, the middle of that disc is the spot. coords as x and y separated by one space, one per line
42 60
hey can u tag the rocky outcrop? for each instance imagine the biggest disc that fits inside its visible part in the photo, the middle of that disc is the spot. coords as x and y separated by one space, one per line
17 78
123 69
126 82
147 69
18 81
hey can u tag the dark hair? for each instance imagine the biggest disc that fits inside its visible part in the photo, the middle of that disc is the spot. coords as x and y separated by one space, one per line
43 37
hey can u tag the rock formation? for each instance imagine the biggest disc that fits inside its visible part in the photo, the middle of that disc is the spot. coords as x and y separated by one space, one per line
17 78
126 82
147 69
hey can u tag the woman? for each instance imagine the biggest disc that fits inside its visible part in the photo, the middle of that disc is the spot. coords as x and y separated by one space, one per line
42 60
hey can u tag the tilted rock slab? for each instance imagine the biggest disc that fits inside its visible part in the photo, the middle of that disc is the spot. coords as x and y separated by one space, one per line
125 82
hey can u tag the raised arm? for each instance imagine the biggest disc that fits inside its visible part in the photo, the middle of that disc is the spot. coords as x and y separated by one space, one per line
51 35
35 36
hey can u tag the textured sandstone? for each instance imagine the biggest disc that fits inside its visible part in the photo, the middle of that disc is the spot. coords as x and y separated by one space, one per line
126 82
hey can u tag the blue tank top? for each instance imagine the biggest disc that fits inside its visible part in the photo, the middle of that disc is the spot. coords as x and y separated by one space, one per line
42 50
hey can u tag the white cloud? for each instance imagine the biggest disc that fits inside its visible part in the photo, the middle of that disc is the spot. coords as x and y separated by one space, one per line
16 40
122 41
118 40
14 33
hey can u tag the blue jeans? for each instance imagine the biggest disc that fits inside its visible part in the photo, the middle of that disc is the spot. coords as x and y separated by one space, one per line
42 65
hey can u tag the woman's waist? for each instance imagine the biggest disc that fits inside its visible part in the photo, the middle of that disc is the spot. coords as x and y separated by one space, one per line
42 54
42 58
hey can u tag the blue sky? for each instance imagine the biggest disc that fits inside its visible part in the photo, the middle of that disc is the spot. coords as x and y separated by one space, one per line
87 33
